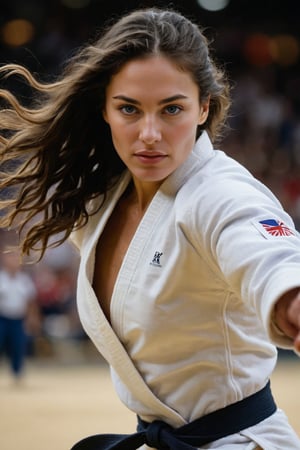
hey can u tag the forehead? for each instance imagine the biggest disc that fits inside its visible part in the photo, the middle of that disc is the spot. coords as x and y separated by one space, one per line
155 74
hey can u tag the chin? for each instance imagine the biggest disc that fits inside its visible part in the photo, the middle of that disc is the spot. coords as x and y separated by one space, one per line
157 177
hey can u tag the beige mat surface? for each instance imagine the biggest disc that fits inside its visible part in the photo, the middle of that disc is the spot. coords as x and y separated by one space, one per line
57 406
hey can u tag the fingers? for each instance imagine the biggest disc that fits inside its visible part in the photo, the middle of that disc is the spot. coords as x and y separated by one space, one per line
297 343
284 313
293 315
293 312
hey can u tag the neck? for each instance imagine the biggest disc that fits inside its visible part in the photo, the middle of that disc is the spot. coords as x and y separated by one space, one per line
142 193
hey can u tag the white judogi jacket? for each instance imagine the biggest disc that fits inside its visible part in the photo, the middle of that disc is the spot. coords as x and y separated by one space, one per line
191 326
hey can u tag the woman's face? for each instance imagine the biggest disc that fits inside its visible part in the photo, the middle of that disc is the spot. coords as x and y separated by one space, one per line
153 110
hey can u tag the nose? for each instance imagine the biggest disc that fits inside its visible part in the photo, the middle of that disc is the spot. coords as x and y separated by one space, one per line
150 131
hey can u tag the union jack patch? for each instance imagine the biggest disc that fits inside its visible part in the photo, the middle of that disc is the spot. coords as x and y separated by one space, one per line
273 228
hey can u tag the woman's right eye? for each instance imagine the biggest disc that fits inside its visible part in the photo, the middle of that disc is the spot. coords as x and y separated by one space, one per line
128 109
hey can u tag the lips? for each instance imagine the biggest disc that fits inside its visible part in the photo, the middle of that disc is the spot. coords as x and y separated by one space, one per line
150 153
147 156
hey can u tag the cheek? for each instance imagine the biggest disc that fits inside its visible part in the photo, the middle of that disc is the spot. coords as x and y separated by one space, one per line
122 138
121 135
115 127
185 131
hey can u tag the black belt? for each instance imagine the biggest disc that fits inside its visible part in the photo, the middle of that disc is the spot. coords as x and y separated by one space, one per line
216 425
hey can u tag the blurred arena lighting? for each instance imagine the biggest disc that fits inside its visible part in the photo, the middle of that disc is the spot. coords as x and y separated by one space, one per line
75 4
257 50
263 50
285 49
213 5
17 32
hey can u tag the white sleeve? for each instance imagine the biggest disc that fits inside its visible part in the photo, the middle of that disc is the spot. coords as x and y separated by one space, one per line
258 265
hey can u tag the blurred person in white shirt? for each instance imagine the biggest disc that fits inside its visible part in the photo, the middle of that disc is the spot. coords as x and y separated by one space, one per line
18 311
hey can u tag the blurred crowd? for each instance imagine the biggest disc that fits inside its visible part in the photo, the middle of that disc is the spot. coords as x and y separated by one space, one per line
38 305
263 134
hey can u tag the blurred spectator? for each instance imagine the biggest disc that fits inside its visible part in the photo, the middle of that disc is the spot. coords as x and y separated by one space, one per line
19 315
56 292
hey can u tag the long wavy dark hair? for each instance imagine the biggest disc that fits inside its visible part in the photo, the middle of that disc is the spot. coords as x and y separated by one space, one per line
57 154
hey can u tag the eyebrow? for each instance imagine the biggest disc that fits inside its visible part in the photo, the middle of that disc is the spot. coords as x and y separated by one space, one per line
161 102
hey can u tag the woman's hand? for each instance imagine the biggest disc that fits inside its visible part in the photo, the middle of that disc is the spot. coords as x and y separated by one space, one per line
287 315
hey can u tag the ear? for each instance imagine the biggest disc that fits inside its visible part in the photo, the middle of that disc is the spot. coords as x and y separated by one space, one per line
204 110
104 115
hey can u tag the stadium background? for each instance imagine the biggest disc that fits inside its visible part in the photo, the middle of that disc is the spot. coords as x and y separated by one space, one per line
67 392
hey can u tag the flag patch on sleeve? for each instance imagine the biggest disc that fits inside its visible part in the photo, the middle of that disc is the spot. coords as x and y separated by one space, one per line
273 228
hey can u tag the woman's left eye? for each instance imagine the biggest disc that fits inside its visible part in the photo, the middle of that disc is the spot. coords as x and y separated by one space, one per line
173 109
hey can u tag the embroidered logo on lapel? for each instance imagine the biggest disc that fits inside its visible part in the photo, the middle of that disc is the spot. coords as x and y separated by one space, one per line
156 259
